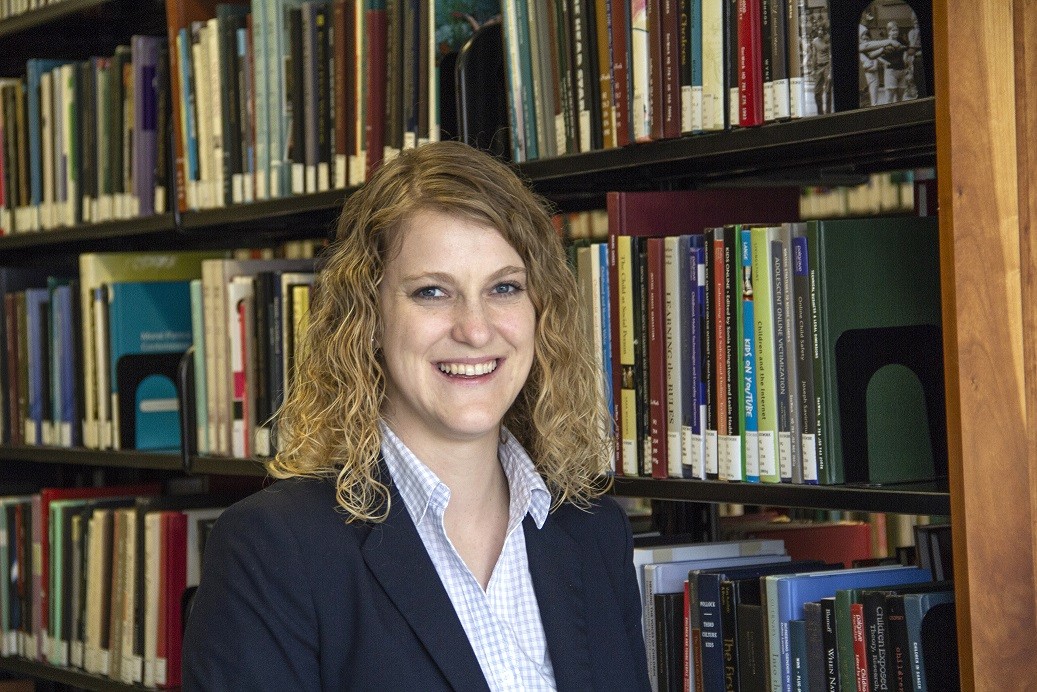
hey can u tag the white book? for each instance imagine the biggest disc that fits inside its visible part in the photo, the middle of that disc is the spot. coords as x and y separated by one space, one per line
239 304
152 584
713 116
672 326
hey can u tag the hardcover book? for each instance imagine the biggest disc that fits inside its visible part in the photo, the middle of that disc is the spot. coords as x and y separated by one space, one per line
878 375
150 327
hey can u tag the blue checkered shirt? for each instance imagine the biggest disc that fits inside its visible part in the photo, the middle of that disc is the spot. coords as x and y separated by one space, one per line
503 622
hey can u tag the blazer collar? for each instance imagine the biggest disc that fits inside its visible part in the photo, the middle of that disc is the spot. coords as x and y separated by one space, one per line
554 563
397 558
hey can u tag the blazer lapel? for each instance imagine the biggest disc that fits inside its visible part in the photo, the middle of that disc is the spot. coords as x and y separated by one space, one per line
558 583
397 557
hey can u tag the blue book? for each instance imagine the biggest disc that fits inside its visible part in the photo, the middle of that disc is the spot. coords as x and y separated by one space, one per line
201 406
786 594
606 325
188 125
694 318
62 363
34 68
916 607
750 441
149 329
37 319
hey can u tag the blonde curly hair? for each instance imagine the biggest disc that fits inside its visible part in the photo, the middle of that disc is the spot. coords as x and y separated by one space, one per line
328 425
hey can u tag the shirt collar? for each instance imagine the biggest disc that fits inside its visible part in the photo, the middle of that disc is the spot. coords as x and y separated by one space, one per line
420 488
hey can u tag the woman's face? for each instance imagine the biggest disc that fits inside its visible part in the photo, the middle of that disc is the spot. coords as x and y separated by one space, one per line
457 330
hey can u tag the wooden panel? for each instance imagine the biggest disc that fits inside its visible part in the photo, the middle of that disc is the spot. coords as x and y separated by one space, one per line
986 252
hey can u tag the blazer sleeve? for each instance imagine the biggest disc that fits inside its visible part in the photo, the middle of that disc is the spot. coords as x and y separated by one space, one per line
253 624
631 605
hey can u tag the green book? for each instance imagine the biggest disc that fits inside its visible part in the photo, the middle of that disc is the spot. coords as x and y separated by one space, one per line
766 370
878 369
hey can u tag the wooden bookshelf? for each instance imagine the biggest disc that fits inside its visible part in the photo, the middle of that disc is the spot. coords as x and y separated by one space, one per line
979 132
76 679
986 141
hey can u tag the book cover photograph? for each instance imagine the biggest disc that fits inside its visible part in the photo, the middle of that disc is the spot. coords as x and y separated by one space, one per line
890 60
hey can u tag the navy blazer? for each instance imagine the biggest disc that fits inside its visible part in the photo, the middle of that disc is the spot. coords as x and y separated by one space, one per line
294 598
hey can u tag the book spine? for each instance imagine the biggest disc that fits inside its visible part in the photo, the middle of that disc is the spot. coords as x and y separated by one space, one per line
829 644
627 360
781 375
751 99
656 355
640 69
709 361
767 415
779 58
603 45
713 96
712 636
827 472
734 462
619 60
729 632
766 56
672 324
747 332
796 9
693 458
804 326
374 124
860 648
899 661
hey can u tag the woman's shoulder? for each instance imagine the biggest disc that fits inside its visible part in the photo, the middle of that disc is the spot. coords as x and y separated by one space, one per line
602 516
301 505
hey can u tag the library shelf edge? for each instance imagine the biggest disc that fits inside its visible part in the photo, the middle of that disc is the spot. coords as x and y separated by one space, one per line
32 19
65 676
926 497
156 461
804 151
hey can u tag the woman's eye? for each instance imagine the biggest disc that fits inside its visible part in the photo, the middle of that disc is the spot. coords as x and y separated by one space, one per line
507 288
429 292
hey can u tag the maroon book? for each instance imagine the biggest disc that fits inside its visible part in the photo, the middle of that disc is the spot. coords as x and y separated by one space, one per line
377 74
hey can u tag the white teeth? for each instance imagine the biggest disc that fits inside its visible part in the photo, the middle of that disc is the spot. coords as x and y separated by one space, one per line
468 369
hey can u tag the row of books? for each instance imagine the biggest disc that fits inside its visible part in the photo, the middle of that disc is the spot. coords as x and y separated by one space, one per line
92 355
84 141
280 97
94 578
586 74
803 352
746 615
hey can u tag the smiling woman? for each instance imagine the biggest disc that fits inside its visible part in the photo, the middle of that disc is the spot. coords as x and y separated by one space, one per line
441 452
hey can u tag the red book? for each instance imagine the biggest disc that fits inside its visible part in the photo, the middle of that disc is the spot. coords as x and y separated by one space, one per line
750 63
657 355
344 31
656 80
41 543
671 63
620 53
174 579
860 647
377 74
647 214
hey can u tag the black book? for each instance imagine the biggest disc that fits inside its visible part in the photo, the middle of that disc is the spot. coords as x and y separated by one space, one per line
229 18
813 620
296 97
325 113
829 643
798 656
119 146
86 105
669 641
